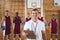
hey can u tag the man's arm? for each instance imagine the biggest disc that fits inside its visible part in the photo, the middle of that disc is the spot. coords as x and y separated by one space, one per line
43 32
3 19
25 29
44 35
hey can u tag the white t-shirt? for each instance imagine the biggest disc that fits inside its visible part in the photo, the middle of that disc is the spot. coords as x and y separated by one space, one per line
37 27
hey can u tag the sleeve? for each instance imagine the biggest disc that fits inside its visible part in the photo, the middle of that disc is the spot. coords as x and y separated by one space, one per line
43 26
26 26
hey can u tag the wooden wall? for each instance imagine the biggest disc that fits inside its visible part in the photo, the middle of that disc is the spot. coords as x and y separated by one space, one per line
49 9
12 6
18 5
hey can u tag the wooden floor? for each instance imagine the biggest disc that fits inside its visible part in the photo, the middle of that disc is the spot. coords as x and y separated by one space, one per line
11 35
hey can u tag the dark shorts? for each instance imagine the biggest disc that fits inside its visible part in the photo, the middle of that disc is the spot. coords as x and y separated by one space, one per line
17 31
3 27
53 32
7 31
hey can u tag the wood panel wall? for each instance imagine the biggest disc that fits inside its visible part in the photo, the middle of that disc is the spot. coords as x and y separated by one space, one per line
49 9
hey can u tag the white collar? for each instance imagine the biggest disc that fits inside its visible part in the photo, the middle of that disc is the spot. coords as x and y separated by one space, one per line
33 21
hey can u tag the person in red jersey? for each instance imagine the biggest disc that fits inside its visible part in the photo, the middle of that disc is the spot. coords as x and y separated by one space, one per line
8 24
53 26
17 21
39 17
28 18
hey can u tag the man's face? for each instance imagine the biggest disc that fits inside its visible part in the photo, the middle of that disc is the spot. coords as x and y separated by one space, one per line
35 14
6 13
53 16
28 15
39 15
16 14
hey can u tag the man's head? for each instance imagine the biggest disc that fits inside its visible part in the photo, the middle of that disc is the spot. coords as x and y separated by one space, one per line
35 13
39 15
53 15
16 13
28 15
6 13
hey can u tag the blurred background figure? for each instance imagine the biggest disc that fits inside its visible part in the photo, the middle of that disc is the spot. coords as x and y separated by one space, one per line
7 22
17 22
39 16
3 25
28 17
53 24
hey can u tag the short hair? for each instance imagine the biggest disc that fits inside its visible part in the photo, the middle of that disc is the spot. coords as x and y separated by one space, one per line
7 11
16 12
35 9
39 12
53 14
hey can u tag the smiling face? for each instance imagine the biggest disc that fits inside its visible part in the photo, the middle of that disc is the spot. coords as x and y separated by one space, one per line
35 13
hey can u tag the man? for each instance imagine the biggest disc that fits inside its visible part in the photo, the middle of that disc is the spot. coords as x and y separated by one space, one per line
8 25
53 26
17 22
28 17
3 26
39 17
36 26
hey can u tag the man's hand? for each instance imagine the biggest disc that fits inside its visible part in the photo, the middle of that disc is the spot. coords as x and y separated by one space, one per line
30 34
26 34
44 35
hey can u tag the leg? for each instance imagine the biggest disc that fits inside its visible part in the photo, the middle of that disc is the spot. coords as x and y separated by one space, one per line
56 36
51 36
8 36
5 38
19 36
3 34
14 37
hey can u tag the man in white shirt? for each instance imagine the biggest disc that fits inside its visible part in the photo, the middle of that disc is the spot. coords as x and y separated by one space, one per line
36 26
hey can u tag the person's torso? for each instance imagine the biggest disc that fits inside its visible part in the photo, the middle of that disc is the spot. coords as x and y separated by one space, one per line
53 22
41 18
36 27
7 20
17 20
